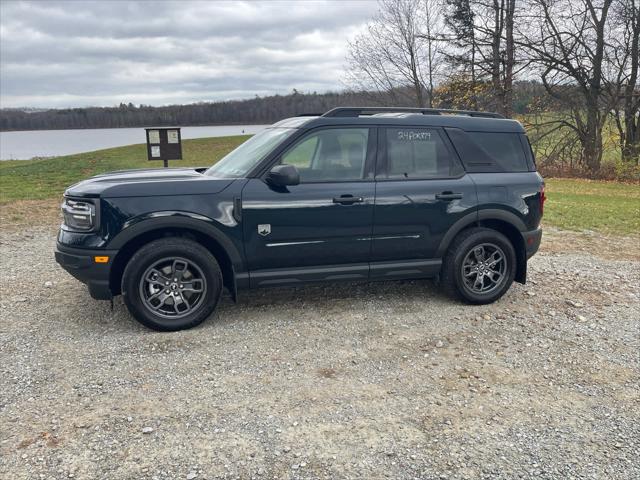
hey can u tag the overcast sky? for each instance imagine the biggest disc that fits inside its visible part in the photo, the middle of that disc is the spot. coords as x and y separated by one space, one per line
78 53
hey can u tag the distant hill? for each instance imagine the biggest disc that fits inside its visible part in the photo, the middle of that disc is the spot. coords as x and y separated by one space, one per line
258 110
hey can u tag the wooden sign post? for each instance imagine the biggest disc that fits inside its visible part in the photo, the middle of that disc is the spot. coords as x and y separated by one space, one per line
164 143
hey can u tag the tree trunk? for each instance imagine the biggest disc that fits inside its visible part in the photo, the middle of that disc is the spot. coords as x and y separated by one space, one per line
631 147
430 72
431 87
474 86
430 56
419 96
496 37
592 141
417 85
510 60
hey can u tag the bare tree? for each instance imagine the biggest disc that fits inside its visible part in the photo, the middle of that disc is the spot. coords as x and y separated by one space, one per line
482 34
432 24
509 8
497 52
398 53
567 41
626 57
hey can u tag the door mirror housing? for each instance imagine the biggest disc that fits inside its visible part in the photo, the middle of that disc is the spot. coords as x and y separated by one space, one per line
283 175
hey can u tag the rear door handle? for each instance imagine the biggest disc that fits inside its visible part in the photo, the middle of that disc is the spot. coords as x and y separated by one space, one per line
448 196
347 200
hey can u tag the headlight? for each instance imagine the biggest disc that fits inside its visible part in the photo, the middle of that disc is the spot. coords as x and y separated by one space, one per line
79 214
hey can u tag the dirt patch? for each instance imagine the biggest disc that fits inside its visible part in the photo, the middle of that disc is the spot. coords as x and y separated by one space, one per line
609 247
327 372
28 213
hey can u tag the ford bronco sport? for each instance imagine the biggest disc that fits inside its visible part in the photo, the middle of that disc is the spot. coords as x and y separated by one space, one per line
354 194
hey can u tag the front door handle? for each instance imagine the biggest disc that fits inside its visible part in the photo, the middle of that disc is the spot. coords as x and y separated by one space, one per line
447 196
347 200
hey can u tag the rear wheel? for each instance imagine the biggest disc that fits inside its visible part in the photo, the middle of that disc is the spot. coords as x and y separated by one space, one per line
480 266
172 284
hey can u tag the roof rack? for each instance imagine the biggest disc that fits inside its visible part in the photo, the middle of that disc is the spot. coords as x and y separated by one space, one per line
357 111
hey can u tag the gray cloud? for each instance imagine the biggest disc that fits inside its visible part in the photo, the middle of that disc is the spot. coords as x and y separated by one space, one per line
70 53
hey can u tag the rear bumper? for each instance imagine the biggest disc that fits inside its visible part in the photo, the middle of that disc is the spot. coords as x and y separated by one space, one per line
80 263
532 241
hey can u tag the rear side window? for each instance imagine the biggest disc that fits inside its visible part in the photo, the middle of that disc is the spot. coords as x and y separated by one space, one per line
418 153
490 151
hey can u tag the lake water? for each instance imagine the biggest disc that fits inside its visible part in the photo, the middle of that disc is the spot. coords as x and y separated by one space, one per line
23 145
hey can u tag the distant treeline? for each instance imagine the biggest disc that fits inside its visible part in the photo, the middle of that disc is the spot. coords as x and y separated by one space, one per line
258 110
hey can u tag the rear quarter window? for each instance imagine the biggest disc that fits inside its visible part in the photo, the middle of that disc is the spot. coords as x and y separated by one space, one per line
489 151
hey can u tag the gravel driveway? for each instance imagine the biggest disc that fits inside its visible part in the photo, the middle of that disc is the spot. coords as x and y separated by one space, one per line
386 380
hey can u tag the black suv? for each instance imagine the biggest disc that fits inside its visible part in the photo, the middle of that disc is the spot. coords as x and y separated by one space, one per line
354 194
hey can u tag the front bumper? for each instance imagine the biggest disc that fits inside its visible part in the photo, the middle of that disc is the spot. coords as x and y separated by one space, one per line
81 263
532 241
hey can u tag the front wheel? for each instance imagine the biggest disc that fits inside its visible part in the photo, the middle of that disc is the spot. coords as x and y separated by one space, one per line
480 266
172 284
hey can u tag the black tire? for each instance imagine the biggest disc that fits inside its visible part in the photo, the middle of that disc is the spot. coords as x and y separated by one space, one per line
181 266
463 252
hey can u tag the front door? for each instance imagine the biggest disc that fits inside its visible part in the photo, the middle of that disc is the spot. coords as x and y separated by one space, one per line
321 228
422 190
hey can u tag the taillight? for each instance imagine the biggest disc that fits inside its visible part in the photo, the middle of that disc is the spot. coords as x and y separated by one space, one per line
542 199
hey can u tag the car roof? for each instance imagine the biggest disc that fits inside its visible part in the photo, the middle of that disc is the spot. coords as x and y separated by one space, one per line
408 119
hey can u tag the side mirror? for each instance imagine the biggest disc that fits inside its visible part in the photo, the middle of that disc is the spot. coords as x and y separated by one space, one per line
283 175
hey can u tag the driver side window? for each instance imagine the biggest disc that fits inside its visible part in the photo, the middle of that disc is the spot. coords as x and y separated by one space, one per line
332 154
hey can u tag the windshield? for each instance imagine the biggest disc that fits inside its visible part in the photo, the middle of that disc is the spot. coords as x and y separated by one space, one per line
239 162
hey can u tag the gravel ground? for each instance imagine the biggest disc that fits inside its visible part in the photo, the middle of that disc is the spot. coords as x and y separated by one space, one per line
386 380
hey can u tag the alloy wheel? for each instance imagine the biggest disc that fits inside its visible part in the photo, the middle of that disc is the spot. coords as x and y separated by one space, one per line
484 268
173 287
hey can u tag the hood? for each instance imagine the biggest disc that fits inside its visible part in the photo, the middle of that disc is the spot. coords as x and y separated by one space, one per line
148 182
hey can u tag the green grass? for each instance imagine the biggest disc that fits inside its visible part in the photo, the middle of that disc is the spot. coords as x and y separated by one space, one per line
608 207
47 178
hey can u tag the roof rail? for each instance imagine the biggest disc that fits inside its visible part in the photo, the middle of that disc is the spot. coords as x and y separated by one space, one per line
357 111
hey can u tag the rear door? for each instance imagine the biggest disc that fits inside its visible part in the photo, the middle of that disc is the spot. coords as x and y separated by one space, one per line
421 191
501 165
321 228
